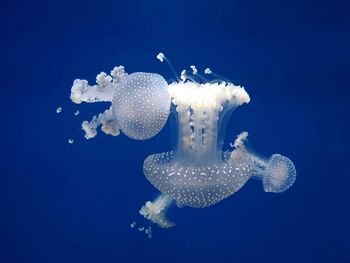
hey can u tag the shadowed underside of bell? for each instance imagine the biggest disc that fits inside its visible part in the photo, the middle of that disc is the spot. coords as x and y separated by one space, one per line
197 186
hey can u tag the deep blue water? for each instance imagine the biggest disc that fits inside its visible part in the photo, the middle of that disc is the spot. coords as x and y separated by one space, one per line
74 203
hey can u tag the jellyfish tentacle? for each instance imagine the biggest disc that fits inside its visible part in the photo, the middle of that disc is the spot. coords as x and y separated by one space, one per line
103 91
108 124
81 91
161 57
155 211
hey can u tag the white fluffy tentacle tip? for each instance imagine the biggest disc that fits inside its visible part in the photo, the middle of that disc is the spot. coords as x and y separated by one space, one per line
155 211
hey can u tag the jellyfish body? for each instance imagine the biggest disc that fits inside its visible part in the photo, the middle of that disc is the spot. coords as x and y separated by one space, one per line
197 185
141 105
277 173
197 172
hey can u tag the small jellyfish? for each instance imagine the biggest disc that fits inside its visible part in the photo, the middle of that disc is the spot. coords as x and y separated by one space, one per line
70 141
197 172
76 113
277 172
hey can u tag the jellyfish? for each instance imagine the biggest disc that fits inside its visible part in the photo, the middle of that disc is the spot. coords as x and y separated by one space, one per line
140 103
196 172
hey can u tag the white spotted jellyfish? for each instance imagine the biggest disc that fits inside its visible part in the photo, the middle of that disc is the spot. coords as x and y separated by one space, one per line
196 172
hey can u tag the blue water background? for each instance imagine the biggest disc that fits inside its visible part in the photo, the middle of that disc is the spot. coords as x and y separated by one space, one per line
63 202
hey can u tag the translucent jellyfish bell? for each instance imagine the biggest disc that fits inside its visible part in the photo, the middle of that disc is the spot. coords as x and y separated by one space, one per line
278 174
141 105
196 185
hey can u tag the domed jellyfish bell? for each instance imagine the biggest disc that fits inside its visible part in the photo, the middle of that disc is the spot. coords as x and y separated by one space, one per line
277 172
141 105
